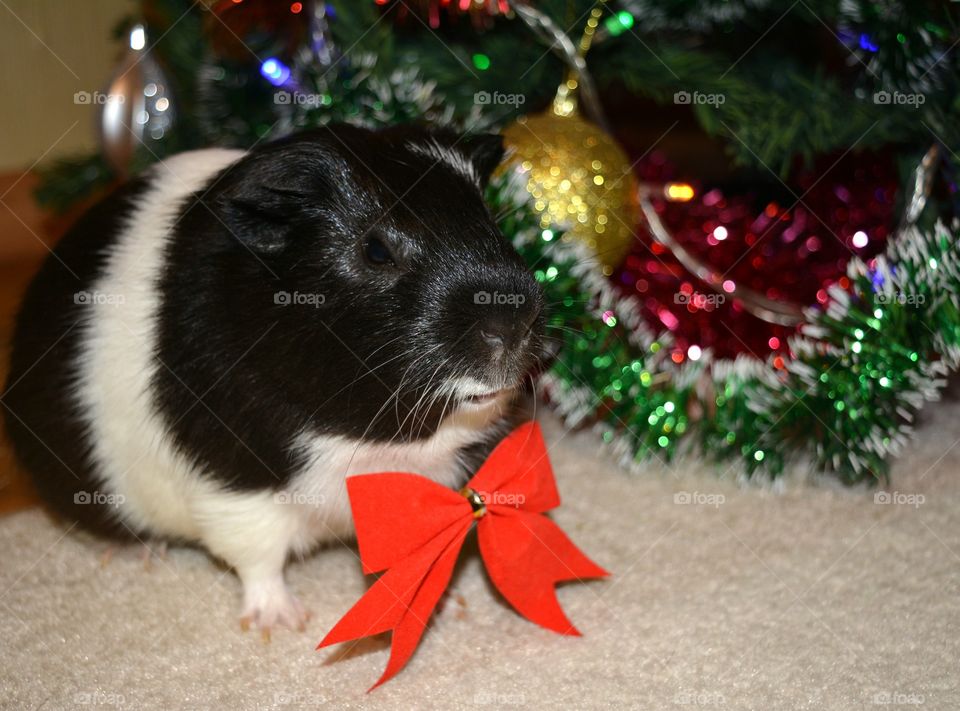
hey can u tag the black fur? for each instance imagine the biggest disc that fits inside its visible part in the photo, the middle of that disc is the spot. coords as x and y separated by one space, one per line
241 373
41 415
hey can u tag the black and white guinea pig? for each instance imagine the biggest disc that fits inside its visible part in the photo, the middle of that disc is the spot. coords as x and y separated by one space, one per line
212 350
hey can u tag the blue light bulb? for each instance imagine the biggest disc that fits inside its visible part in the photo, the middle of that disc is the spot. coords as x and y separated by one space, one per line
275 71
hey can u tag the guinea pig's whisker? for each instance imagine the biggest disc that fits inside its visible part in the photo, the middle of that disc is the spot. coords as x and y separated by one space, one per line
363 437
392 340
533 386
446 403
568 329
580 331
426 393
396 402
386 403
423 398
395 396
410 411
438 393
444 387
403 379
551 304
370 371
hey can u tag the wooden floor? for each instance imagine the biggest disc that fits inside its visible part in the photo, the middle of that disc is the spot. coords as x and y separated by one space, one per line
26 234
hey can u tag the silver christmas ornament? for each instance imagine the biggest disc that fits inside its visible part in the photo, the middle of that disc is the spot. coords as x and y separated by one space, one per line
138 110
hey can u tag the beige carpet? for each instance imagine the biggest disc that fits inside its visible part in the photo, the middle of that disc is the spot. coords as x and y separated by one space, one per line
809 597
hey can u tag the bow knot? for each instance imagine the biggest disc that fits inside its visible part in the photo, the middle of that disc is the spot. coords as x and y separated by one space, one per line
524 552
475 500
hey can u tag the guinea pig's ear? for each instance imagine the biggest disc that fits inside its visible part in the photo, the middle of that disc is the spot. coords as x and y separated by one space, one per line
260 217
271 196
485 151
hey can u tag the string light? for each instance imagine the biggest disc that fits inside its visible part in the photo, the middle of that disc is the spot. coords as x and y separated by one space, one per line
138 38
679 192
275 71
618 23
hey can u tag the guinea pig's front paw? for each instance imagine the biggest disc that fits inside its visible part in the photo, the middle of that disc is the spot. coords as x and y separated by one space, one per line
270 604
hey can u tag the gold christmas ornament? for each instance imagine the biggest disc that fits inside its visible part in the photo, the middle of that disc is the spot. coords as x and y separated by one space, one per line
577 175
579 178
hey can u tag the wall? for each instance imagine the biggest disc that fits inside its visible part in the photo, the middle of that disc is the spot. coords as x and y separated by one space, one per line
51 49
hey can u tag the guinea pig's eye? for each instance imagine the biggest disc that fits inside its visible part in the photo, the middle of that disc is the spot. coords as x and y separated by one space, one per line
376 252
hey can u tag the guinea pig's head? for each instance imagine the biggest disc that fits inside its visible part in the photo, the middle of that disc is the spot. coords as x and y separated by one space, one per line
397 300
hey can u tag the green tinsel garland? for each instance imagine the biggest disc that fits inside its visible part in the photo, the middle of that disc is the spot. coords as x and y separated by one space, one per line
859 372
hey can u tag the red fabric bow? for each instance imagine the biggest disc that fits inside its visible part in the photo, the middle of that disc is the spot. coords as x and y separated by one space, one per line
414 528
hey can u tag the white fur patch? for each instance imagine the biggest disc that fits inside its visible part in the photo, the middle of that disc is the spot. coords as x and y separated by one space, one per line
468 386
131 446
443 154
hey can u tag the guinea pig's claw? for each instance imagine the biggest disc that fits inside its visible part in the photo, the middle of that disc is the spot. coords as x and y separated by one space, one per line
266 632
106 557
271 607
148 554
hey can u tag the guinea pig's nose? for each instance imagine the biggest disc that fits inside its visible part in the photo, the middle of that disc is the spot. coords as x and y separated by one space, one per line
493 338
506 328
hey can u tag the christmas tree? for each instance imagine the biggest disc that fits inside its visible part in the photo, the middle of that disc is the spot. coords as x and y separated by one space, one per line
787 287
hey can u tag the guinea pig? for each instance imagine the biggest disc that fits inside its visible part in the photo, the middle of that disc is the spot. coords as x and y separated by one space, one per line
215 347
